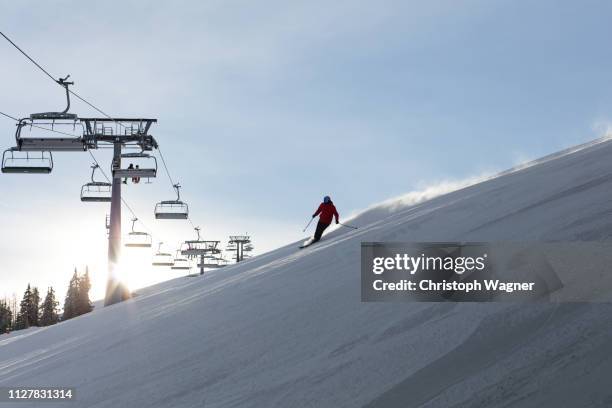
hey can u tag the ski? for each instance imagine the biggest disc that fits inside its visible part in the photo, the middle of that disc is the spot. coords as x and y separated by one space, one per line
306 245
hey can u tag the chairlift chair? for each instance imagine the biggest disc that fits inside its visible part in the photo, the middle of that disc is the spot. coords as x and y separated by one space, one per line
51 121
138 239
213 262
145 167
199 247
162 258
180 263
96 191
16 162
172 209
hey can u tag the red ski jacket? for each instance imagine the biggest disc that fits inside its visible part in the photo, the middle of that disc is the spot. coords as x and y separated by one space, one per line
328 212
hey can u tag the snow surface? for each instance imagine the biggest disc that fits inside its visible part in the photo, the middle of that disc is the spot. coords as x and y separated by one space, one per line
287 328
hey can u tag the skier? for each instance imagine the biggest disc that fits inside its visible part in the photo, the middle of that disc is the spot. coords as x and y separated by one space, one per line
328 212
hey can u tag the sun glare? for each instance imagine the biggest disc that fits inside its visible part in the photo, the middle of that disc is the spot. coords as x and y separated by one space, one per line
134 270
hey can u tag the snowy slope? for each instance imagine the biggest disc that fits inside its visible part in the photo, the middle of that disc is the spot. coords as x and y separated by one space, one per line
287 329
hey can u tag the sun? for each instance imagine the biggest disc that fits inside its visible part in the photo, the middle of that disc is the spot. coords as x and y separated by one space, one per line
135 270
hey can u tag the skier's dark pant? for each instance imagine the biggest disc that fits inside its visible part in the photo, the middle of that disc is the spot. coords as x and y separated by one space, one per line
320 228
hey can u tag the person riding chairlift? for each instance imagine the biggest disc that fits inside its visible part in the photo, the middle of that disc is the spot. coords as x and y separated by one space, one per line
130 167
136 180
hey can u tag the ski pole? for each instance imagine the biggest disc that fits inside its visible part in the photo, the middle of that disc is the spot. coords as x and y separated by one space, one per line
307 225
348 226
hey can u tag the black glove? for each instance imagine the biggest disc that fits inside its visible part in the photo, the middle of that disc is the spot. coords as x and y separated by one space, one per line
337 222
313 216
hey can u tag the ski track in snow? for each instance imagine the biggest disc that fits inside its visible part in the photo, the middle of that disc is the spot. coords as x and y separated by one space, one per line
287 328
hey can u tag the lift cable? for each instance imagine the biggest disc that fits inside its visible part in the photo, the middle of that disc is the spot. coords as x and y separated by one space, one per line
58 82
161 155
28 57
92 106
9 116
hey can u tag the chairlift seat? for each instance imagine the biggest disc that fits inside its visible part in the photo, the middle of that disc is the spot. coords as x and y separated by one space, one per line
96 199
138 245
162 263
16 162
149 171
142 173
181 264
96 192
27 170
171 210
138 239
162 259
159 258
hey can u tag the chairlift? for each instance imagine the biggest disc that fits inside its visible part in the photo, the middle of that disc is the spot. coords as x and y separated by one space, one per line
96 191
180 263
172 209
17 162
138 239
199 247
162 258
141 165
51 121
213 262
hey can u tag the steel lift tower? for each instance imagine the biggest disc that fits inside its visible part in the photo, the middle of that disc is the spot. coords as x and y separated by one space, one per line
33 154
239 244
201 249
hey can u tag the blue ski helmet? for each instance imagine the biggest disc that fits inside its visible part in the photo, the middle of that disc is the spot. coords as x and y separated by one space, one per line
326 199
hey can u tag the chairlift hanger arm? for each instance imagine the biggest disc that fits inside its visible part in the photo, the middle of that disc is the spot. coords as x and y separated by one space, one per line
64 83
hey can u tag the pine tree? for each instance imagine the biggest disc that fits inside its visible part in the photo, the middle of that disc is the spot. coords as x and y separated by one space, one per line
49 314
70 302
84 285
6 317
77 298
23 317
33 311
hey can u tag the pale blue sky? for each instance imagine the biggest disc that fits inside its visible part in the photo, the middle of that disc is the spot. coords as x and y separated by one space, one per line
264 107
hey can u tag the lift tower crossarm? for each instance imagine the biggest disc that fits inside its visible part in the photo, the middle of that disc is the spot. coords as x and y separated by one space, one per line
136 132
